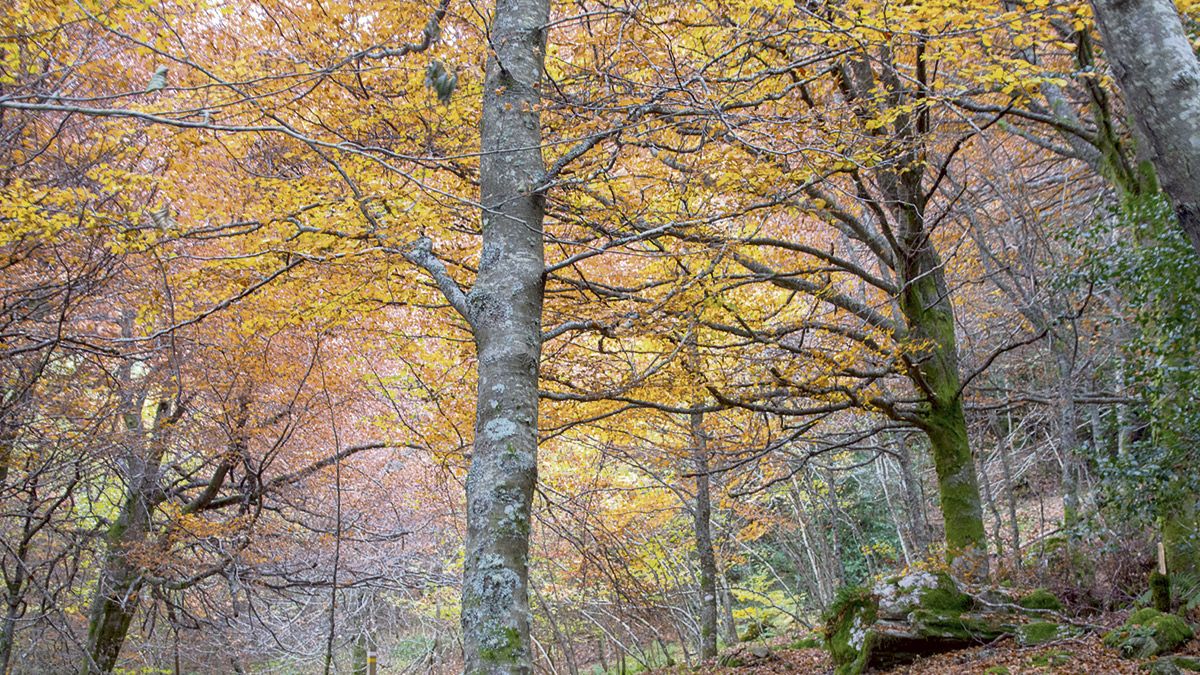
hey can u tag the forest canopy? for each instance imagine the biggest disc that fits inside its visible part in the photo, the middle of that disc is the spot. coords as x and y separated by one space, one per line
515 336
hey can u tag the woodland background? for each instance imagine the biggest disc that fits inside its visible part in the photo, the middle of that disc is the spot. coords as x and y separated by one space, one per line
796 254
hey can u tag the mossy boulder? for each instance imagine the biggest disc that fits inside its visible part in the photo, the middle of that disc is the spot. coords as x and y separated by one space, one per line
903 618
1040 598
807 642
847 629
965 627
1172 665
1149 632
900 595
1041 632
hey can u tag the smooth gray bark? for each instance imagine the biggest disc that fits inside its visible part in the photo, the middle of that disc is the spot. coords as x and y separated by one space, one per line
1159 75
504 309
704 544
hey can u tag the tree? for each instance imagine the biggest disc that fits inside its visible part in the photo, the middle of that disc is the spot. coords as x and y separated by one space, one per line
504 310
1160 77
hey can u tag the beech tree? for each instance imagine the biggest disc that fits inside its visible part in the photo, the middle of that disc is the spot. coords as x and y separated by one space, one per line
1159 75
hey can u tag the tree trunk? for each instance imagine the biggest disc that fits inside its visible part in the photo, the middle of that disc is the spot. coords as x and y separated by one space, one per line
1160 78
1068 436
914 499
924 301
704 545
926 306
505 309
117 588
1006 447
728 625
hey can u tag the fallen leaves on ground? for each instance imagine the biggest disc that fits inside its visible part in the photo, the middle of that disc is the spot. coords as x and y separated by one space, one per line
1080 656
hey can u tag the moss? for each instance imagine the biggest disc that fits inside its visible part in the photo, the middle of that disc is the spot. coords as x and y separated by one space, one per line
1160 591
1171 631
810 642
997 670
847 629
1143 617
945 596
1149 632
956 625
1172 665
1040 599
1186 663
507 648
1039 632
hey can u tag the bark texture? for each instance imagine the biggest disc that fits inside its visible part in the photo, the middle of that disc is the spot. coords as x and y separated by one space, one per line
704 543
1159 75
504 308
118 588
929 316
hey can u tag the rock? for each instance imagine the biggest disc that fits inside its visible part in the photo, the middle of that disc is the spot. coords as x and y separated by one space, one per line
903 618
922 613
746 655
847 623
1187 663
1040 598
1041 632
1149 632
1163 667
1172 665
963 626
898 596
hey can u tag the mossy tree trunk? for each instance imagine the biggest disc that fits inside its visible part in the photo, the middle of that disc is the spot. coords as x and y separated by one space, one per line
924 302
118 587
504 309
929 316
1158 73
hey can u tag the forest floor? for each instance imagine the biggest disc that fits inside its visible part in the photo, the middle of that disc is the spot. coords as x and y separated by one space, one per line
1085 655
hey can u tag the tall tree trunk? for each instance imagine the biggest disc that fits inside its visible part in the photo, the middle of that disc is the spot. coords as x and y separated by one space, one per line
118 588
914 499
929 315
926 306
505 308
1006 448
728 625
702 514
1068 435
1160 78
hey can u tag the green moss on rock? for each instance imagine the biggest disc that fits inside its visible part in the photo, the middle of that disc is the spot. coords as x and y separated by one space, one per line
948 624
847 629
1149 632
1040 598
1040 632
1186 663
808 642
945 596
